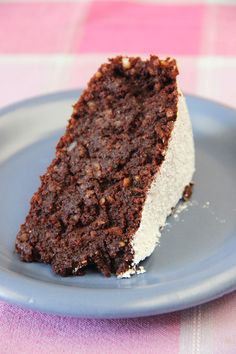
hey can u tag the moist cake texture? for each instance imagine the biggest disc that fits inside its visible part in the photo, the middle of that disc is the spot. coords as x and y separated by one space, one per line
121 166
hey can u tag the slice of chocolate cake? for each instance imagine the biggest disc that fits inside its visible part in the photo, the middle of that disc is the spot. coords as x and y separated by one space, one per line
121 166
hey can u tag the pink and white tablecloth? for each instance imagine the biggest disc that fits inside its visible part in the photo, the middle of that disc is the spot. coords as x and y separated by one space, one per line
47 46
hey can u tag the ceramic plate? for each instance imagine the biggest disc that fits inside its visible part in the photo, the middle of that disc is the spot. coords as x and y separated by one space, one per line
196 259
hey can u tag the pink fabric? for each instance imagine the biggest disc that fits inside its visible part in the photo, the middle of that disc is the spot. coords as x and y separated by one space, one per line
51 46
223 20
224 335
116 26
39 27
55 334
143 28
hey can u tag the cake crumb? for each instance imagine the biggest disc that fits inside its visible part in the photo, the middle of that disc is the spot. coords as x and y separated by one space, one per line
126 182
188 192
98 74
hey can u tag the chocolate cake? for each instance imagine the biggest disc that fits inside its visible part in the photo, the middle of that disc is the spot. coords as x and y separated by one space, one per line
122 165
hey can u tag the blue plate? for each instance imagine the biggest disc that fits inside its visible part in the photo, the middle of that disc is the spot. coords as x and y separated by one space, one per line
196 259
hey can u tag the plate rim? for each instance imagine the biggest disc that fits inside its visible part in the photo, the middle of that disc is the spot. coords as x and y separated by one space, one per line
214 285
221 282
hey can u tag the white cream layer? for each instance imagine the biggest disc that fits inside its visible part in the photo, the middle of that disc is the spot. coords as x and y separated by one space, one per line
167 188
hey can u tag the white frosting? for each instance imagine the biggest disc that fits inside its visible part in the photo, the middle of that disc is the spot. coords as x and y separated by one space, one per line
167 188
134 270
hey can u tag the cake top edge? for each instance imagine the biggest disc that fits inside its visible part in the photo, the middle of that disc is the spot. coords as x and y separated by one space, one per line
132 63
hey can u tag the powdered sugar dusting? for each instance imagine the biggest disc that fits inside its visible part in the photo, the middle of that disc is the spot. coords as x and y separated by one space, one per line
206 205
132 271
175 173
141 270
184 207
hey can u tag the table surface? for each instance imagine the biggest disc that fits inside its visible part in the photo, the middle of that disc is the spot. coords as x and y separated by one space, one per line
48 46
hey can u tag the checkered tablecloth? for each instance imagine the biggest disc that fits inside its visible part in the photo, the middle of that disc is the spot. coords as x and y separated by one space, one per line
48 46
